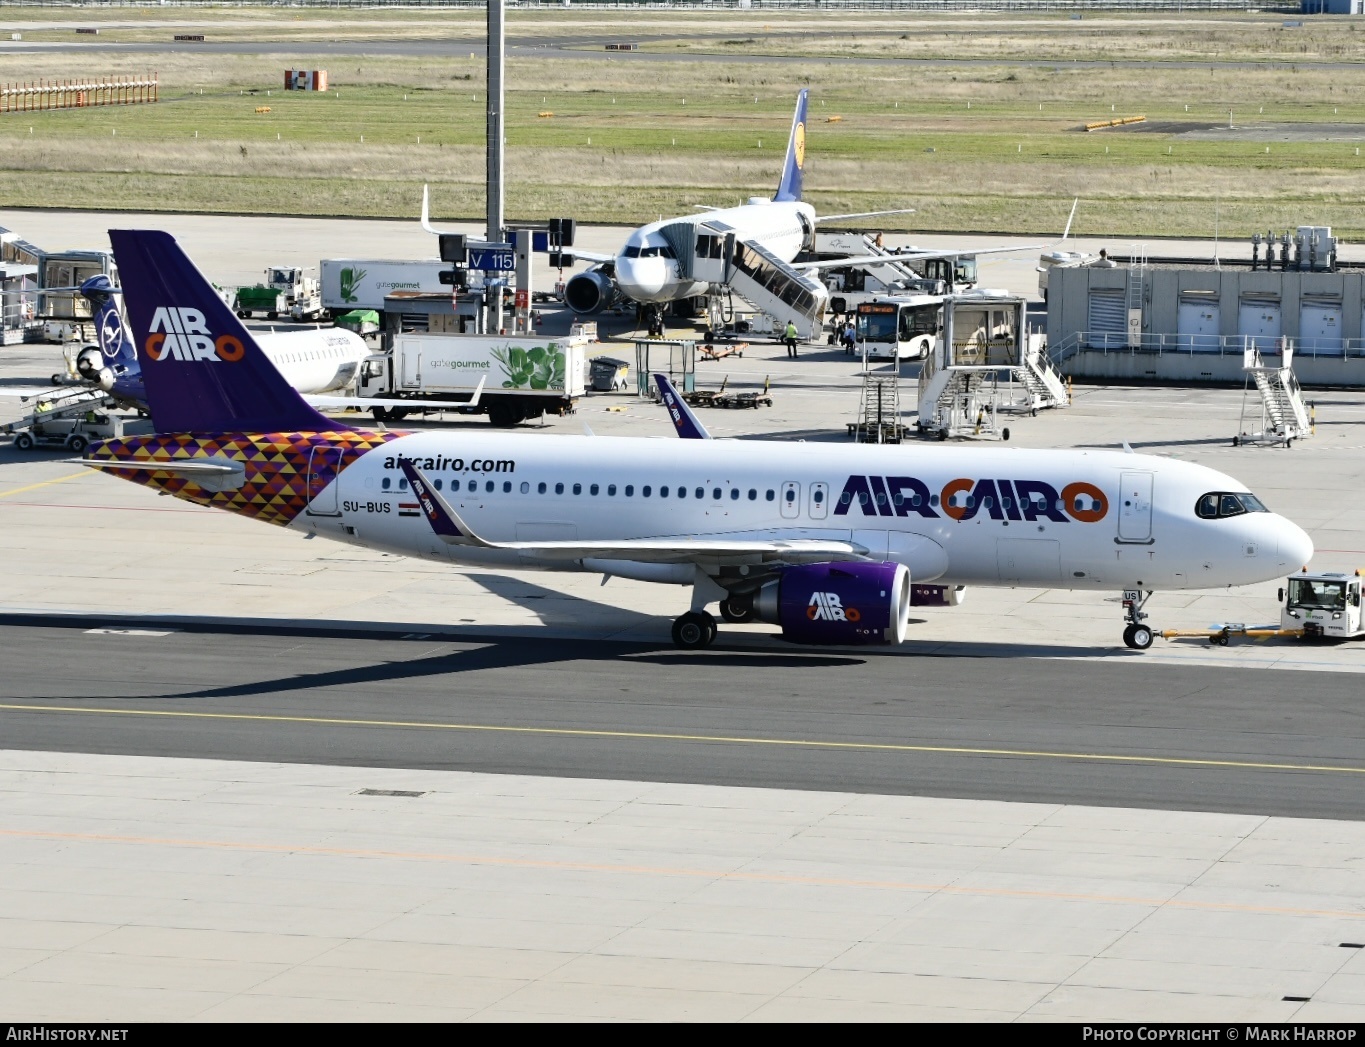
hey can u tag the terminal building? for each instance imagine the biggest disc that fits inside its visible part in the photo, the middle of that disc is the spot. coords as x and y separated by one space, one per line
1189 321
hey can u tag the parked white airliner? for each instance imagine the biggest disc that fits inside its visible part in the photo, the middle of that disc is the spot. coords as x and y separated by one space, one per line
830 542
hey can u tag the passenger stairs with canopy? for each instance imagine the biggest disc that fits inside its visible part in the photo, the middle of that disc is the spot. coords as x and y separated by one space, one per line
984 349
719 258
1284 418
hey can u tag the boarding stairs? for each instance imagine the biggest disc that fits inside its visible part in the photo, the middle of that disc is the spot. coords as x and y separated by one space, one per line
879 411
1041 381
1284 417
956 401
758 276
893 271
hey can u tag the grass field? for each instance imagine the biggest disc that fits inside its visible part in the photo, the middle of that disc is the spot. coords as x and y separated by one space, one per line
970 146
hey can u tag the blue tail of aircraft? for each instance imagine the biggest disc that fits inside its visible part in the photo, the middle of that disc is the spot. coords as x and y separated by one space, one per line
688 424
202 370
118 349
790 186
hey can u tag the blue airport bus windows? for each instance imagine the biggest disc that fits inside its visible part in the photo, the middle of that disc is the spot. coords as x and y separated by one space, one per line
525 487
385 483
592 489
734 494
715 494
540 487
753 494
611 490
771 494
577 488
630 490
559 488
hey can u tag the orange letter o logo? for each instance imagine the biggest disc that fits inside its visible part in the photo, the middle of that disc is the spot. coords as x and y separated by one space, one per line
229 348
951 488
154 344
853 614
1091 515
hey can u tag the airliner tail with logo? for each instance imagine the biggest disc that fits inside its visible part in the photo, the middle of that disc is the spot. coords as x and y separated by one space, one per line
830 542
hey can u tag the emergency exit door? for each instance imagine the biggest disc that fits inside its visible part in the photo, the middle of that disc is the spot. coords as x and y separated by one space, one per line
1135 507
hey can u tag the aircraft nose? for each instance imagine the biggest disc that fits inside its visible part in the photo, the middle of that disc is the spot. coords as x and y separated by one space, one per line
1295 547
641 279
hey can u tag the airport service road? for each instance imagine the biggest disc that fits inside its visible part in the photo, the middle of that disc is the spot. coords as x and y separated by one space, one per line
1053 731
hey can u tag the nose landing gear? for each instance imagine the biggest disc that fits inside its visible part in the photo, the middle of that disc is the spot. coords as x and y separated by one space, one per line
1137 636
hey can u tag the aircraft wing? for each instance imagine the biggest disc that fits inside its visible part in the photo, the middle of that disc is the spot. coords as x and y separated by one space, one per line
822 219
913 256
449 527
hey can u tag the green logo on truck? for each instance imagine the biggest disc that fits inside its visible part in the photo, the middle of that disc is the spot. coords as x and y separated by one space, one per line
350 279
541 367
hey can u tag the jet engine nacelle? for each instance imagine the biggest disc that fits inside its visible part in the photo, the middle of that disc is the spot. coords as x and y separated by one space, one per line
838 603
590 292
90 366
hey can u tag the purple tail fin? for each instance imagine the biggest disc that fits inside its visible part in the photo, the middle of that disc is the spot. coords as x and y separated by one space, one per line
688 424
202 369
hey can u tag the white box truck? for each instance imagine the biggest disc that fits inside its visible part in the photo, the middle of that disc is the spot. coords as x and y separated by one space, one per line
350 283
523 376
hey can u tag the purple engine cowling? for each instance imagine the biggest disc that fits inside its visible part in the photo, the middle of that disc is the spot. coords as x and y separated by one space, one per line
838 603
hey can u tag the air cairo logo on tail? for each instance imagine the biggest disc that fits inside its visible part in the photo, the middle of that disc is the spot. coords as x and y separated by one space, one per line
182 334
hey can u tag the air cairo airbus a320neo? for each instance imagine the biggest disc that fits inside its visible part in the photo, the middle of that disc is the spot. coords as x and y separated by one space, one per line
821 540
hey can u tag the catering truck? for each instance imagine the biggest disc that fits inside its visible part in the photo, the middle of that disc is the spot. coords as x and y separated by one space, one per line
521 376
350 283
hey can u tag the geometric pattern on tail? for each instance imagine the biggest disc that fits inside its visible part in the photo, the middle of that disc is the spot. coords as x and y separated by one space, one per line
275 487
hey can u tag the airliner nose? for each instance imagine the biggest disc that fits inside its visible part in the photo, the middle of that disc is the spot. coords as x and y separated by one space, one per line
643 279
1295 547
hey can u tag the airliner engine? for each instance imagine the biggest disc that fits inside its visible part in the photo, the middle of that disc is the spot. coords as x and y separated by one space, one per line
838 603
91 366
591 291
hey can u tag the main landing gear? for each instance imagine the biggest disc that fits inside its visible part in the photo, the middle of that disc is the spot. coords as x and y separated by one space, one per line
1137 636
694 630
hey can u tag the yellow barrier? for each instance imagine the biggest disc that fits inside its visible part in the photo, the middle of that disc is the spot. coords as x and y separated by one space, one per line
545 115
1119 122
263 109
833 119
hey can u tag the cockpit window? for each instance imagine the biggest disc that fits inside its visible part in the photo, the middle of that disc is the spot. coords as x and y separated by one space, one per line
631 252
1219 505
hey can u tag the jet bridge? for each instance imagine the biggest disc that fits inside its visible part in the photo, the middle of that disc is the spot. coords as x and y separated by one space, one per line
720 259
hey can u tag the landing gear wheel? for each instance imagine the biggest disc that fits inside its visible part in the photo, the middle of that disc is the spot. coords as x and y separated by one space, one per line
504 415
24 442
1138 637
694 630
737 609
1128 635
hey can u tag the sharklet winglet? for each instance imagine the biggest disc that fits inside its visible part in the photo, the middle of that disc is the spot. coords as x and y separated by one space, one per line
444 521
687 424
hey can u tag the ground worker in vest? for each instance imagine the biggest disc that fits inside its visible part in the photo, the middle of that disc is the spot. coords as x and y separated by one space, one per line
789 336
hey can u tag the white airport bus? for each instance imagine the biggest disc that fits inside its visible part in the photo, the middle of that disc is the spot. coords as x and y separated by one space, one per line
901 328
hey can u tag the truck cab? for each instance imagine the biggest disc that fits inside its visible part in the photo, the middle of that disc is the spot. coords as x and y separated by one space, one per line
1323 605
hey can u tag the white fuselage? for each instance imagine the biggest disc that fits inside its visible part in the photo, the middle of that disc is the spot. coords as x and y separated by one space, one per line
646 270
511 487
317 359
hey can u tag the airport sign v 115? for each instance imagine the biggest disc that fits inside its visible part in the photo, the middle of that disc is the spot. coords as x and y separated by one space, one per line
492 257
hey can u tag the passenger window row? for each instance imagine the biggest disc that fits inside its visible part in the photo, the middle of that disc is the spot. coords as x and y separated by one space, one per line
593 490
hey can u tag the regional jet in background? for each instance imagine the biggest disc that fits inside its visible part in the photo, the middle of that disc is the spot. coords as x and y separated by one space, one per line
830 542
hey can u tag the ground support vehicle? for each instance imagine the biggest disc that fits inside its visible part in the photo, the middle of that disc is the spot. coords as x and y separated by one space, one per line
71 419
1323 605
521 376
259 299
349 283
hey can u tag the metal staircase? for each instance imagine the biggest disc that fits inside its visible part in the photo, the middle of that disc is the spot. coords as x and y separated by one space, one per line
1284 418
1043 382
879 411
770 285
